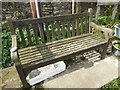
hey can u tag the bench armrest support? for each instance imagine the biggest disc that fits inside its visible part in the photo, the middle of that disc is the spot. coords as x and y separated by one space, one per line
108 32
14 49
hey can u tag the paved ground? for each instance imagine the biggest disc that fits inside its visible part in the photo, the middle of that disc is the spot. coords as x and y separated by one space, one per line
87 75
83 75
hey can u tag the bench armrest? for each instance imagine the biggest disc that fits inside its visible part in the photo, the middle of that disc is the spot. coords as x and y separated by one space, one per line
108 32
14 52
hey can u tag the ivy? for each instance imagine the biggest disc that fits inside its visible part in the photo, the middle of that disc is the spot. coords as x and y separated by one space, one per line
6 45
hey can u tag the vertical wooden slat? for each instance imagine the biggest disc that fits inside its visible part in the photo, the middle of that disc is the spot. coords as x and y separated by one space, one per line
97 12
47 31
58 30
68 26
73 6
22 36
53 31
32 5
86 25
10 24
35 29
73 27
77 29
29 36
81 26
41 32
90 10
63 29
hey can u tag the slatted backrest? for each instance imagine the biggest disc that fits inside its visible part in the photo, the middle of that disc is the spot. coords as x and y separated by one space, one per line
46 29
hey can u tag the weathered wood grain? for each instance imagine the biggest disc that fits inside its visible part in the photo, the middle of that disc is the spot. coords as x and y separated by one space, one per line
73 27
22 36
53 32
63 29
68 27
47 31
35 29
25 22
58 30
64 48
90 10
40 25
29 35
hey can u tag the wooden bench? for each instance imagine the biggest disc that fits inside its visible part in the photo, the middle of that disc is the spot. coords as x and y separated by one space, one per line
46 40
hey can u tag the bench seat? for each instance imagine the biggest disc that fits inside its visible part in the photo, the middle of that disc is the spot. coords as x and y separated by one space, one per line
35 55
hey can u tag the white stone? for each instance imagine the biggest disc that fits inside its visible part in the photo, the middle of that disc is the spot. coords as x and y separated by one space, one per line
45 72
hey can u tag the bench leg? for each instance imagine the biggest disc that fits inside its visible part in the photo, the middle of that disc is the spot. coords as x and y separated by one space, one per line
22 77
104 51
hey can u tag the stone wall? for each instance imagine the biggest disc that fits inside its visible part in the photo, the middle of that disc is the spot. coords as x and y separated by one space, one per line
20 10
16 10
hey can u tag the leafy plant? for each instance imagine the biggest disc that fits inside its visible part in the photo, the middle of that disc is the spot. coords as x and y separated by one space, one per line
117 45
6 45
115 84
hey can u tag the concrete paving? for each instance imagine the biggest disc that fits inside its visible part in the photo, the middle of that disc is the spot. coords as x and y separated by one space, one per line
9 78
87 75
81 75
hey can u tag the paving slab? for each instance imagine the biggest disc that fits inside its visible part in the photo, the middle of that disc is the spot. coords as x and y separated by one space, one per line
9 78
88 75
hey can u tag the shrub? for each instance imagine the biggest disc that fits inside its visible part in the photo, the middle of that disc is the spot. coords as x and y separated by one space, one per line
6 45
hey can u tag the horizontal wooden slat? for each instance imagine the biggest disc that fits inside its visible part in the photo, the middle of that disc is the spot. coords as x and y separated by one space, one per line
25 22
56 45
54 49
51 53
55 42
35 65
63 49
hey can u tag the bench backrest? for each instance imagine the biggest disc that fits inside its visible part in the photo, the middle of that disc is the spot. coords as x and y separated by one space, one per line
45 29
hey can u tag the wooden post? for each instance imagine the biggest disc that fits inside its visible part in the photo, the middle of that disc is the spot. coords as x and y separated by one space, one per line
97 13
9 22
114 11
76 11
119 11
73 6
32 5
90 10
38 8
77 6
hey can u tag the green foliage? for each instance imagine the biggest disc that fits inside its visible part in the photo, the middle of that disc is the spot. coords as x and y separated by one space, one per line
105 20
117 45
98 33
115 84
6 45
115 38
